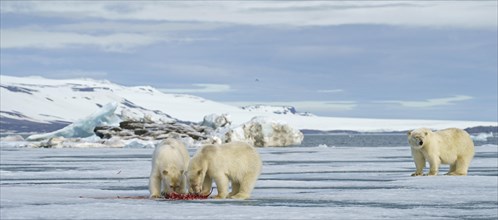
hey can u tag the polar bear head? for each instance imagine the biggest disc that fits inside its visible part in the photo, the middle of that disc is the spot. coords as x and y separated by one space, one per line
198 167
419 137
196 173
173 176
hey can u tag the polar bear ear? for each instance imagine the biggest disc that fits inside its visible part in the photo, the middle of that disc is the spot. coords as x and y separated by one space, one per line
165 172
409 133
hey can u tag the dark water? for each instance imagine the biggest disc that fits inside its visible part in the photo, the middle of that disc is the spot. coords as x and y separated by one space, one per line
370 140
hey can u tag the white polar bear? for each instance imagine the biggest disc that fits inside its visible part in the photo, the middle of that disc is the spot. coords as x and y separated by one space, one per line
235 162
451 146
169 163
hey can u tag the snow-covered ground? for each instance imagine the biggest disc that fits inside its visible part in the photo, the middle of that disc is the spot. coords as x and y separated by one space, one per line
296 183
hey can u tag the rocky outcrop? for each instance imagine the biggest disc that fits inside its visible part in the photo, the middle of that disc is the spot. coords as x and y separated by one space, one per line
153 131
260 131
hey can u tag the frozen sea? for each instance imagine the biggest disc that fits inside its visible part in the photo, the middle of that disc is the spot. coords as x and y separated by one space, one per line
327 177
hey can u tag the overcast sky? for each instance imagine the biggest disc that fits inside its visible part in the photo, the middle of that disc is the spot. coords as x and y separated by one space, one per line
371 59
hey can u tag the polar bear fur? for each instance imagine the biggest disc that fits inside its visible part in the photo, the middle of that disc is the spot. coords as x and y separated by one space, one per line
451 146
169 163
235 162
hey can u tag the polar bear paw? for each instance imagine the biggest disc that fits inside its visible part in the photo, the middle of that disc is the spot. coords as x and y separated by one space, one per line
239 196
156 196
219 197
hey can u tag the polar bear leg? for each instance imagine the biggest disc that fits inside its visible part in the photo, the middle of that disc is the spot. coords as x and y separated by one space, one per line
419 160
246 186
221 181
207 185
462 166
452 170
183 184
155 186
434 166
235 189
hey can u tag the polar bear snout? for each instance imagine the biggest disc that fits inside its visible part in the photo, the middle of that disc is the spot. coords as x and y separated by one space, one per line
416 142
175 187
195 188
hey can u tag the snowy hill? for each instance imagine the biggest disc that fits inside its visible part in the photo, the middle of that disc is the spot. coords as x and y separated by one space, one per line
283 110
31 102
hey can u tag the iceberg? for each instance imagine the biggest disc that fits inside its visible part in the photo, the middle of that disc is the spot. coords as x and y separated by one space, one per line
84 127
265 132
481 136
216 121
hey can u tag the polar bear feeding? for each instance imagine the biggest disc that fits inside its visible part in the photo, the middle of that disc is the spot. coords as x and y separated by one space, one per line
235 162
451 146
169 163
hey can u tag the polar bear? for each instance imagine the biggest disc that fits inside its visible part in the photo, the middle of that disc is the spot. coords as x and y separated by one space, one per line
451 146
235 162
169 163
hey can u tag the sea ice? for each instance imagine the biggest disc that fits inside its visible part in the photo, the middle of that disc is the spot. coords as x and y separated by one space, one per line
296 183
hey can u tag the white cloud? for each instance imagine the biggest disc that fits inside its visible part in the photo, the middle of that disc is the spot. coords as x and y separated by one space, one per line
201 88
307 106
137 27
76 73
429 103
467 14
21 38
126 25
330 91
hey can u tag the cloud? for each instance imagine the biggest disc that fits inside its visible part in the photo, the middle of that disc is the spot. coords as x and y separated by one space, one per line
109 36
201 88
119 42
429 103
76 73
308 106
467 14
124 26
136 27
330 91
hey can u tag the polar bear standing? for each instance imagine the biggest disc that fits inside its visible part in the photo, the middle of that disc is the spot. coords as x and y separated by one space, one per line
235 162
169 163
451 146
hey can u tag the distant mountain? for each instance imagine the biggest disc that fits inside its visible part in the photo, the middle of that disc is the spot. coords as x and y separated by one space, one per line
281 110
34 104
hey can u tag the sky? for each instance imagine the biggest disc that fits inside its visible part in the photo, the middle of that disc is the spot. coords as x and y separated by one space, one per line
367 59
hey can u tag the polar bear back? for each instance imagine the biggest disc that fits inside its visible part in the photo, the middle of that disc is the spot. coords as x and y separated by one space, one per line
449 145
234 158
170 152
455 140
